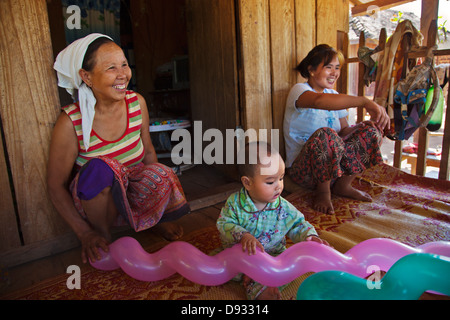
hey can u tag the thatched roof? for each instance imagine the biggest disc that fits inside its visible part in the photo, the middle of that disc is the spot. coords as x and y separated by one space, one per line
371 25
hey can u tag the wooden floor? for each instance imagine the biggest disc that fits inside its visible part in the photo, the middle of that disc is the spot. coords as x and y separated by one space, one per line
206 189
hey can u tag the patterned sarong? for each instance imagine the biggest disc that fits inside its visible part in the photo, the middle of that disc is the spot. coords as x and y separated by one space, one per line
326 156
144 194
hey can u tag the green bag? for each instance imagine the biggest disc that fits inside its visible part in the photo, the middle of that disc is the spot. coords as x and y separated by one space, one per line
436 119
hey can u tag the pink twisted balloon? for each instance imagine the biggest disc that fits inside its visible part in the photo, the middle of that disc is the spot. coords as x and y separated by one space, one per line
191 263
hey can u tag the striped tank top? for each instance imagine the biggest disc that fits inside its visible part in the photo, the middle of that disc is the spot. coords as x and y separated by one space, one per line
128 149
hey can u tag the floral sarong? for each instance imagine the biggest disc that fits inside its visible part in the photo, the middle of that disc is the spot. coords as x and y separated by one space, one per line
144 194
326 156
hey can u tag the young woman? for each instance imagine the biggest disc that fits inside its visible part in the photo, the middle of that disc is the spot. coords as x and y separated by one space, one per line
323 152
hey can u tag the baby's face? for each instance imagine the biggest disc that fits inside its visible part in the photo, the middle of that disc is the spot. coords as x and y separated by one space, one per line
267 183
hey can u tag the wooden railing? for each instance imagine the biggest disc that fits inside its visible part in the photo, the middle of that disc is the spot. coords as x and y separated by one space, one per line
420 159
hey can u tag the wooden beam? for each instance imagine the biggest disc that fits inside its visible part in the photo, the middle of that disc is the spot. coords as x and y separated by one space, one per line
428 26
361 112
305 30
254 47
360 10
283 60
342 45
331 16
423 51
444 169
29 107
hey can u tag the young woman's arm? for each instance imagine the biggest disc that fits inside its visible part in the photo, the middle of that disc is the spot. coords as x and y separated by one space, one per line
330 101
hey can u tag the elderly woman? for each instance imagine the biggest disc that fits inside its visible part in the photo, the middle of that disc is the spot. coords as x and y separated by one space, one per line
323 152
102 168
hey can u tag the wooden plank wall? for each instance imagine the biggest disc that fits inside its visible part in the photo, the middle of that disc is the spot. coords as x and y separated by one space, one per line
213 63
274 36
29 106
282 36
255 72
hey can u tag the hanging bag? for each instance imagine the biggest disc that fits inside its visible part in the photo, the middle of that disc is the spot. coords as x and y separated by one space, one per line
410 97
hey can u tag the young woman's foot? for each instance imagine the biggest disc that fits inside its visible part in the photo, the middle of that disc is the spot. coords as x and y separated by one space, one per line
170 231
343 188
352 193
322 202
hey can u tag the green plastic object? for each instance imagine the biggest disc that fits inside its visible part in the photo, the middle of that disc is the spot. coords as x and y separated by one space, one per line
436 119
407 279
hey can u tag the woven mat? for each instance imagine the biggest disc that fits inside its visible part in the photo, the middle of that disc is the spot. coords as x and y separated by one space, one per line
406 208
411 209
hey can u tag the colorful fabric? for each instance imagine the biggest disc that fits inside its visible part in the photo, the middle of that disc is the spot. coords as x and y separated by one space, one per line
128 149
326 156
143 194
300 123
94 177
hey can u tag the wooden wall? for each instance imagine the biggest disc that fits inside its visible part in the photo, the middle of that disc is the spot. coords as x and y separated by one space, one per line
29 106
275 35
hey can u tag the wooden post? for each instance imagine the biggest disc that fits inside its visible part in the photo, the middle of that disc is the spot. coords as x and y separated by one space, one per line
255 75
305 30
423 132
283 60
444 168
428 27
361 112
342 45
331 16
29 106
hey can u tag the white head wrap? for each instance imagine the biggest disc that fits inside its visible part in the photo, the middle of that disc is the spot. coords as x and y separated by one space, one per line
68 64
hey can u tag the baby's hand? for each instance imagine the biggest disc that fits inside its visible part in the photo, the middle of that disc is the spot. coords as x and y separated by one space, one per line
250 243
317 239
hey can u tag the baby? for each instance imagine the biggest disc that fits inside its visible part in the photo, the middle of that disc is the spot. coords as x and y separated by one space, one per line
258 217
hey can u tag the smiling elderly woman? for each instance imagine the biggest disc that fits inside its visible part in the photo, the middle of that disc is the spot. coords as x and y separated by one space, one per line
102 168
323 152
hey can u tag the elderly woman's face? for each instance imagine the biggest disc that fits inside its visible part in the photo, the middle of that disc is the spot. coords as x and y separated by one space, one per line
111 73
325 76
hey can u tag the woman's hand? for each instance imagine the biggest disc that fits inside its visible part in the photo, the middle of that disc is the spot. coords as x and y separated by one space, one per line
91 241
378 115
249 243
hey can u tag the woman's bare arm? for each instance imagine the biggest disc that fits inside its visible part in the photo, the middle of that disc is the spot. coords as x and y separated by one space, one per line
330 101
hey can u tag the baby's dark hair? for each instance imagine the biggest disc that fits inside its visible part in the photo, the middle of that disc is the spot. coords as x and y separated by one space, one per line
248 159
321 53
89 56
